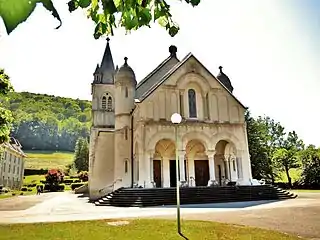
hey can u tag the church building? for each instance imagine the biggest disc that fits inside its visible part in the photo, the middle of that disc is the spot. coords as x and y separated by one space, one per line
132 141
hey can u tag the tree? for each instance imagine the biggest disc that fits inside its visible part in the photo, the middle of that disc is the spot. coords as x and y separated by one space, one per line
310 158
5 115
106 14
81 155
287 157
258 150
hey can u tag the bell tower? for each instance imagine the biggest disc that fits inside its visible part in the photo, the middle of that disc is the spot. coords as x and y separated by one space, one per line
103 95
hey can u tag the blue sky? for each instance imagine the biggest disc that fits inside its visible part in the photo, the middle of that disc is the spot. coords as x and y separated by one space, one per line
269 48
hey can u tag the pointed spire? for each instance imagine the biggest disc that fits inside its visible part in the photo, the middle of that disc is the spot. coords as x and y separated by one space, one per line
107 65
97 69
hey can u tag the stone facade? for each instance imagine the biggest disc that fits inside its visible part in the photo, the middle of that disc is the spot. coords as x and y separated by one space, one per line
133 142
12 164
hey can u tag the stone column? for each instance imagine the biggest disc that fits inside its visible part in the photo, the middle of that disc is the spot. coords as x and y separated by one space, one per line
226 160
181 161
166 171
211 164
191 179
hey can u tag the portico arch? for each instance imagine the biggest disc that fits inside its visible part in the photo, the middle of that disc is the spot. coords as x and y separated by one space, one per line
203 138
163 163
155 138
226 166
197 164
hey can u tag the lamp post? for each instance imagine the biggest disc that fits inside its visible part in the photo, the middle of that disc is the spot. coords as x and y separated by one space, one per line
176 119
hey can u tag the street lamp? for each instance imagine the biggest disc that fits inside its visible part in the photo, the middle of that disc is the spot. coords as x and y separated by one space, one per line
176 119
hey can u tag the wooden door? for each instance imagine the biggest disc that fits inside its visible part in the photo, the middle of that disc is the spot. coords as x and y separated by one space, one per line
157 173
201 172
173 173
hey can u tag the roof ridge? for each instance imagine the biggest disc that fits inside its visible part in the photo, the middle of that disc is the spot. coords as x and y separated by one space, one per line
155 70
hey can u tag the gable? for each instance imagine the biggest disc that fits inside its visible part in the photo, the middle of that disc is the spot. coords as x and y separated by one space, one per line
189 65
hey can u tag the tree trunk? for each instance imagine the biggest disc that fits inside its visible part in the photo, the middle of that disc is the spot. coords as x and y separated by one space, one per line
289 178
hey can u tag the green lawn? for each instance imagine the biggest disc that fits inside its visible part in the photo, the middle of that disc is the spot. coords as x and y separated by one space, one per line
137 229
48 159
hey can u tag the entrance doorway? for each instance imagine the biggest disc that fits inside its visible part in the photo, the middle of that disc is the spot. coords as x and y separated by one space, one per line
201 172
157 173
173 174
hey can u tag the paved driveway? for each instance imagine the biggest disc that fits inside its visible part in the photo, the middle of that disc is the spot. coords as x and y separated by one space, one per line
299 216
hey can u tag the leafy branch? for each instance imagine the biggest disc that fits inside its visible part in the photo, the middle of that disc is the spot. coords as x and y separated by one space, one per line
106 14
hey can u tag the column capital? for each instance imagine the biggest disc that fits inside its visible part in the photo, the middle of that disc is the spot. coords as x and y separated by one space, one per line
211 152
227 157
181 152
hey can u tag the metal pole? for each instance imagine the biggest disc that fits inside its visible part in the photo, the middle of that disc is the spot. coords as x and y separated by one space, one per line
178 182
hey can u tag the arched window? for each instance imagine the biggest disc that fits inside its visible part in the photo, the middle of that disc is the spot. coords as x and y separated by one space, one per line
109 103
126 92
104 102
192 103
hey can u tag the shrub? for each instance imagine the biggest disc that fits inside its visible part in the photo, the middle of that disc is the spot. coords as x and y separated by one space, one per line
28 172
77 181
21 193
24 189
13 194
83 176
29 189
32 185
76 185
43 181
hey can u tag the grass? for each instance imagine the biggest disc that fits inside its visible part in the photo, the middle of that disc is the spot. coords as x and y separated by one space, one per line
48 159
145 229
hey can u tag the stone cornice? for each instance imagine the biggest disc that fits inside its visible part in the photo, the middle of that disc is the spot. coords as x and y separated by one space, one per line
187 122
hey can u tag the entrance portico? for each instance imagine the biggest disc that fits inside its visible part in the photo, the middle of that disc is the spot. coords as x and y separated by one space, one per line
200 161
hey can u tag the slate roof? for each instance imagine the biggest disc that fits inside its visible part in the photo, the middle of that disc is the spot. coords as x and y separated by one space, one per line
15 145
106 68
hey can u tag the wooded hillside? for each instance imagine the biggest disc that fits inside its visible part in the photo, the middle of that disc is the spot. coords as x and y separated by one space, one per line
47 122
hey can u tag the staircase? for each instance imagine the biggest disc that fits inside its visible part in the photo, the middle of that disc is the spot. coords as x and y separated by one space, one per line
144 197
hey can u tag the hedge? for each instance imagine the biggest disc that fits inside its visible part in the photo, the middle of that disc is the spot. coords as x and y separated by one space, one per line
28 171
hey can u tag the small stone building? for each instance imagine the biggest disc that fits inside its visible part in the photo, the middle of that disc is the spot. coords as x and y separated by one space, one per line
11 164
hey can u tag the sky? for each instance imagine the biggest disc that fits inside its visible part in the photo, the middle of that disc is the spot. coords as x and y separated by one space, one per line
270 49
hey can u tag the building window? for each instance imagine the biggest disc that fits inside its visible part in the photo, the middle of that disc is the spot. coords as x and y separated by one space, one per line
109 107
234 165
126 92
125 166
192 103
104 102
126 133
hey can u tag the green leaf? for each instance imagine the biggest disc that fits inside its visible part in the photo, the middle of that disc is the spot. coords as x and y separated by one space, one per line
163 21
173 30
73 5
14 12
84 3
